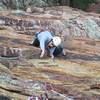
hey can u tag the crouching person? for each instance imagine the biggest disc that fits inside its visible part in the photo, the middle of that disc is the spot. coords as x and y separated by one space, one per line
47 42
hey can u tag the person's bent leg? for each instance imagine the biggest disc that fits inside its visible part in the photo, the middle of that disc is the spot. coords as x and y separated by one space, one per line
36 42
58 51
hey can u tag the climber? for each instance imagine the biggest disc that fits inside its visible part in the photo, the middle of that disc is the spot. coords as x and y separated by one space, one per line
47 42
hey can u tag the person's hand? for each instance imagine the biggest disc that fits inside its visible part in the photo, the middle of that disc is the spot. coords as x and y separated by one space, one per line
52 57
42 54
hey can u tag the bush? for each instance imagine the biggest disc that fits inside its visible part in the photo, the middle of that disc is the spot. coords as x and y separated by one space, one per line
82 4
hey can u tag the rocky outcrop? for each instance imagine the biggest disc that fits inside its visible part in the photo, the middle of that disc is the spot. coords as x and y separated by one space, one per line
74 77
77 24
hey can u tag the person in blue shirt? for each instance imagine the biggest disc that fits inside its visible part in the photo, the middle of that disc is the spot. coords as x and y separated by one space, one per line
47 42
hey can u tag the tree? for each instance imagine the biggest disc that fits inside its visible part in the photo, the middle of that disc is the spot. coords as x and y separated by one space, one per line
23 4
82 4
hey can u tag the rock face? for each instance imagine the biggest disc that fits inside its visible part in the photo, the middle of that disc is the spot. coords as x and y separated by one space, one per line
74 77
77 24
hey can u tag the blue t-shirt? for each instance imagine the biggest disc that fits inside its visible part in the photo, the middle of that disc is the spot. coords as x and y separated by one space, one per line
44 37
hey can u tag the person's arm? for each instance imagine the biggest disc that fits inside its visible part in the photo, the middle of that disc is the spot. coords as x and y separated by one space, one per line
51 52
42 53
42 46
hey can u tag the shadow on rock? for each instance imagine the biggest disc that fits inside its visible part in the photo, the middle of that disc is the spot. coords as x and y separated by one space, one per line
83 57
4 97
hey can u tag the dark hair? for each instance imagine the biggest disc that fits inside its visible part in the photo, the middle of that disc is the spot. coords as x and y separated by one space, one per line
49 41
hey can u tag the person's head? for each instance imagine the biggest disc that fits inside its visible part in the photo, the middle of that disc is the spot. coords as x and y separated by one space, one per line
55 41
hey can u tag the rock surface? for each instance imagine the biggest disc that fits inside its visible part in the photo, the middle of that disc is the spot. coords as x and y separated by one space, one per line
73 77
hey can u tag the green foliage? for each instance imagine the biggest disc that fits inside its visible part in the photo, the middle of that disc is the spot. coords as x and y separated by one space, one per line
82 4
23 4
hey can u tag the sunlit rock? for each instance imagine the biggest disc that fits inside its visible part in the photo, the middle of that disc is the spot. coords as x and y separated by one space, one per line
28 10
